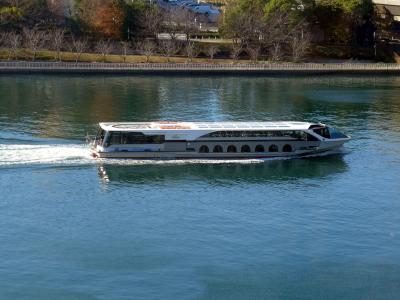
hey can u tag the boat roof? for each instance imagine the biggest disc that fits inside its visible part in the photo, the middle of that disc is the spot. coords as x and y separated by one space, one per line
204 126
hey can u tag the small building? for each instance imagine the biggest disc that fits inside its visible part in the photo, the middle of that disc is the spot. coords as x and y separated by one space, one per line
388 9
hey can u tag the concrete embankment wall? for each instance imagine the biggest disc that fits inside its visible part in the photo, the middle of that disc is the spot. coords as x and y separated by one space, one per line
287 69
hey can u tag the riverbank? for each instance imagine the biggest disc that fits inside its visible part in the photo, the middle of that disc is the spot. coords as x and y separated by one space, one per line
23 67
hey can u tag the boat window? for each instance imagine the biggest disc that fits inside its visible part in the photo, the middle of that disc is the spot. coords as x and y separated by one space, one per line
323 131
311 138
295 134
231 149
245 148
204 149
273 148
218 149
114 138
260 148
140 138
299 135
287 148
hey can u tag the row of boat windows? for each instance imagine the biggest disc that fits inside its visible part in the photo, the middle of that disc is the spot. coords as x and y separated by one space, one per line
245 149
295 134
120 138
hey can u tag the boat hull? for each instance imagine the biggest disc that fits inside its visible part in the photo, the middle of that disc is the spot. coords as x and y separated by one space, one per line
217 156
241 140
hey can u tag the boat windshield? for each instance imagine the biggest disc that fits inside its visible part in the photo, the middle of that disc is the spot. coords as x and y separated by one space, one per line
335 134
329 133
100 137
322 131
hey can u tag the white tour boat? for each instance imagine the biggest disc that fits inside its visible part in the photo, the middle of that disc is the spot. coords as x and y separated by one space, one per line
214 140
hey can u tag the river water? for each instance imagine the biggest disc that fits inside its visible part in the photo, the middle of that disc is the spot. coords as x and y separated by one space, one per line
72 227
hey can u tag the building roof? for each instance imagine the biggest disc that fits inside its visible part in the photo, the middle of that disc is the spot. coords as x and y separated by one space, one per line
392 6
387 2
393 9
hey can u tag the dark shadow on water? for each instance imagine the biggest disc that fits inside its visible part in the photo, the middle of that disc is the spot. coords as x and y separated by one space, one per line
316 280
273 170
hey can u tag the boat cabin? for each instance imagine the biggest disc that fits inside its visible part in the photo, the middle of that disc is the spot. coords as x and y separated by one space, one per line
217 138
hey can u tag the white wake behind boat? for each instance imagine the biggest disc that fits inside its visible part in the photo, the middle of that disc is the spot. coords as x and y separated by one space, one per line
214 140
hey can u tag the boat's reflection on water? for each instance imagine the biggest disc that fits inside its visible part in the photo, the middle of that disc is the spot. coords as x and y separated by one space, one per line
251 172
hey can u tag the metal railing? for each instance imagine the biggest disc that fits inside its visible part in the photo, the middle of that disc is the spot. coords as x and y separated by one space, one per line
183 67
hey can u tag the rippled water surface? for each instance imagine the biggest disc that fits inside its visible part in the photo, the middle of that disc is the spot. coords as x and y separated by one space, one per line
72 227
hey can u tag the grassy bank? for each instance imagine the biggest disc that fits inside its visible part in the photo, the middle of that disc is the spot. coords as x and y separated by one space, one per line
112 58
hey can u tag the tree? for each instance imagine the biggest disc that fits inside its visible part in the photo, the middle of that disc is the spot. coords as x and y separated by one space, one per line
79 46
125 47
299 45
172 24
212 50
169 48
28 13
13 41
57 8
3 38
276 51
10 15
57 41
254 52
340 19
185 19
152 21
264 25
147 48
285 5
109 19
104 47
191 50
85 11
105 17
34 40
277 29
236 50
243 20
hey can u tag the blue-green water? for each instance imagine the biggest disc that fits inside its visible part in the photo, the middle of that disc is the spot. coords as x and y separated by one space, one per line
316 228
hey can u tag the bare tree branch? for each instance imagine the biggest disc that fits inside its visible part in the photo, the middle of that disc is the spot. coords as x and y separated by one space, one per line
276 53
34 40
104 47
152 21
147 48
185 18
13 42
299 45
125 47
57 41
169 48
3 38
172 24
236 49
79 46
254 52
212 50
191 50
